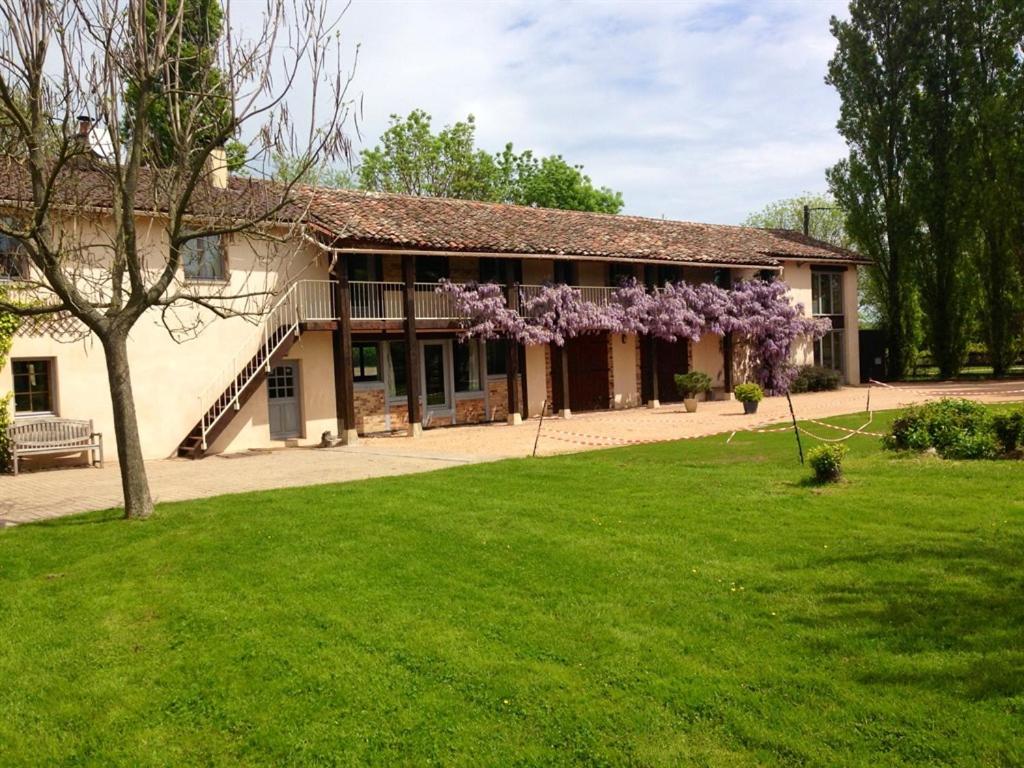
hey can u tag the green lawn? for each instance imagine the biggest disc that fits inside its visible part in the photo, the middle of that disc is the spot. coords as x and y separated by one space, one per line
690 603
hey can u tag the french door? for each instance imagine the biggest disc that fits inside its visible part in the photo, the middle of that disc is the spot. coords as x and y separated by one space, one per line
437 377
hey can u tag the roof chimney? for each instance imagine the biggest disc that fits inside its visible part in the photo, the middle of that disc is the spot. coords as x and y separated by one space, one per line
84 129
218 168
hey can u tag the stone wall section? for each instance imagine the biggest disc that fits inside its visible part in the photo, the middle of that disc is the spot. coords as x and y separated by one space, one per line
370 415
497 397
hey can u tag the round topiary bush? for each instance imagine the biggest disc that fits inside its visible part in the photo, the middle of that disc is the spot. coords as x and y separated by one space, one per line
749 393
827 461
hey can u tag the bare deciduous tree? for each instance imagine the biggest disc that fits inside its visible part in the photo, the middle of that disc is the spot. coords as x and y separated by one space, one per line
64 59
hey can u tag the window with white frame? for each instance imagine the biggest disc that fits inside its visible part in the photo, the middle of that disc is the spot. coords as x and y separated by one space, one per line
204 258
467 366
827 301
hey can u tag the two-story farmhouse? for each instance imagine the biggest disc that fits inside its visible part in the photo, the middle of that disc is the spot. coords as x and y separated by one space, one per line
358 339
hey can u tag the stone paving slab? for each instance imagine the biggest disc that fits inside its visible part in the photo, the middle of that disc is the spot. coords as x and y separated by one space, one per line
53 493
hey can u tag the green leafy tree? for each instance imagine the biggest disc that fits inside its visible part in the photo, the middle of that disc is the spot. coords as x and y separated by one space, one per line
193 44
939 183
552 183
289 169
875 70
827 220
994 30
412 159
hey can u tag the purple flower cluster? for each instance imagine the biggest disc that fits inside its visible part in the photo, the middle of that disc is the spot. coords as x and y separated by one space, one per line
759 315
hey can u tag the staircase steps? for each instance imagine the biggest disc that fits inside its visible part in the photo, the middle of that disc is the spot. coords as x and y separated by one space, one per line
245 384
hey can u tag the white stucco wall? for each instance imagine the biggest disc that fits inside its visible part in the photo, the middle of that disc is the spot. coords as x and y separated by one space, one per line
625 363
536 379
167 376
851 316
798 278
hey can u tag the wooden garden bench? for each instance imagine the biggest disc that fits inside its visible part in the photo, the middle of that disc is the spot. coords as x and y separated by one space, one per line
33 437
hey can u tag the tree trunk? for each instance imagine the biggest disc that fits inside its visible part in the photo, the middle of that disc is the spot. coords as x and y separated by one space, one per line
138 503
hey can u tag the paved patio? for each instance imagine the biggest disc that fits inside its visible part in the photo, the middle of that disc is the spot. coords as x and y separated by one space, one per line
46 494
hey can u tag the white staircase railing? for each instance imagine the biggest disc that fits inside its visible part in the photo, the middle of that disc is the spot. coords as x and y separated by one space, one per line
304 301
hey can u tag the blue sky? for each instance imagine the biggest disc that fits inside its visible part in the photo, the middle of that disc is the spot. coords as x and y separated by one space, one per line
697 110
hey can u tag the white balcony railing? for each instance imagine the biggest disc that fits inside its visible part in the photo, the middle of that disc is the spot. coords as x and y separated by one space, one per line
380 301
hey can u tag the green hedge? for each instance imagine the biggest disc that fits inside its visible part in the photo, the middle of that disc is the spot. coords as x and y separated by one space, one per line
953 427
8 325
814 378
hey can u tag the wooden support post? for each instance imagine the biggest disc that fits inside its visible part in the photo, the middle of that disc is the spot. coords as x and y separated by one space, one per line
512 382
727 362
524 405
412 349
566 410
344 390
512 354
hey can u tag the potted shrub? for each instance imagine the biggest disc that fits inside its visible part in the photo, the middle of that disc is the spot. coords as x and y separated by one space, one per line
690 385
750 395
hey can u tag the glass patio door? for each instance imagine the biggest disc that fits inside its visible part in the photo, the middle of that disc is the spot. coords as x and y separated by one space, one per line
436 376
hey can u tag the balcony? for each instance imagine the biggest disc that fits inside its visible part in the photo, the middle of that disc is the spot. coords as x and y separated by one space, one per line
374 301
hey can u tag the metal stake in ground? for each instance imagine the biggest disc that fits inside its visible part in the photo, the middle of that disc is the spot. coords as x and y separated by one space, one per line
796 429
543 407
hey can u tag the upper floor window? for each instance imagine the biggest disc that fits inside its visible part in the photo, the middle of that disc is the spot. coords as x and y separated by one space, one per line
204 258
826 293
13 259
431 269
723 278
33 386
827 301
491 270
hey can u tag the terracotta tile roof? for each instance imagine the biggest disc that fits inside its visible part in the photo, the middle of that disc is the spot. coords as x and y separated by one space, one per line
88 184
421 223
369 219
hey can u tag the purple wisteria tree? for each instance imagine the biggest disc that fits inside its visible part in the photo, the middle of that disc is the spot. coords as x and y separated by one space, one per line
759 314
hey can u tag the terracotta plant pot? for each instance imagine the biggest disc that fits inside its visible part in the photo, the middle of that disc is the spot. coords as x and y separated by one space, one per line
750 407
690 403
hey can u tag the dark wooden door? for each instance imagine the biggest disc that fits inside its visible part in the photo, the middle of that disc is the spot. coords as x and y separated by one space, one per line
588 372
673 358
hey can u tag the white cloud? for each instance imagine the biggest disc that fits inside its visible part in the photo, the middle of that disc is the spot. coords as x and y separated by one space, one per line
698 110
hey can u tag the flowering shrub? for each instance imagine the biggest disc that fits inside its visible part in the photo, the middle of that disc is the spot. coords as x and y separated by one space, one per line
763 316
827 461
760 314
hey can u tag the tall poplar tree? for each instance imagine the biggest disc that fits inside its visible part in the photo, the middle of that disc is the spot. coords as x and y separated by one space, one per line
939 181
995 30
876 72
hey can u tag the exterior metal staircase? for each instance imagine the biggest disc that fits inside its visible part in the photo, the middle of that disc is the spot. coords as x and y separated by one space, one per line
305 301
